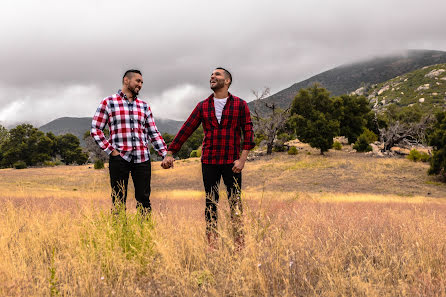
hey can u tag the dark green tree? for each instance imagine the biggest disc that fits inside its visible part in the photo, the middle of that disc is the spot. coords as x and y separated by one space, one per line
53 148
25 143
192 143
353 116
438 141
314 117
68 146
4 134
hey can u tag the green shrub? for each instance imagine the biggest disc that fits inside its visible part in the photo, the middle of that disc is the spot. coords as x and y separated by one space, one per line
48 164
293 151
425 157
369 135
99 164
195 154
362 144
19 165
364 140
337 145
416 156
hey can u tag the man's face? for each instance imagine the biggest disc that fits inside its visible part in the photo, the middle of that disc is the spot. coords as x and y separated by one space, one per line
134 83
218 79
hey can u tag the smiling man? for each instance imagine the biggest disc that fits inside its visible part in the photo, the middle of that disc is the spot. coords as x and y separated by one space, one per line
224 118
131 125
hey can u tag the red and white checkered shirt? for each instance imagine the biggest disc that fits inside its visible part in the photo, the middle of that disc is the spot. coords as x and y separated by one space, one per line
131 125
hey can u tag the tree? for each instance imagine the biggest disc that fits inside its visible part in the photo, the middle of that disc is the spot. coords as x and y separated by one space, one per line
438 141
68 146
192 143
25 143
408 134
314 116
4 134
353 116
269 123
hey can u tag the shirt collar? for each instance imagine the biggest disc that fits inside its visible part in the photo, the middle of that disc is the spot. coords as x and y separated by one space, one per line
212 96
124 96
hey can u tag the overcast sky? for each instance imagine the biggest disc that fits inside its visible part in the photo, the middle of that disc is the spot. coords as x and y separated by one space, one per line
60 58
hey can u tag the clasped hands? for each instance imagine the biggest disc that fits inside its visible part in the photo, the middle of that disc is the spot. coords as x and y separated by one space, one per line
167 161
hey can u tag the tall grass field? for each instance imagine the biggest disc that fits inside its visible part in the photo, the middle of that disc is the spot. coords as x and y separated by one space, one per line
336 225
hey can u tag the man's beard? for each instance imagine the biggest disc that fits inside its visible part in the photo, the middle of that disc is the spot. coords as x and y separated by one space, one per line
134 92
218 86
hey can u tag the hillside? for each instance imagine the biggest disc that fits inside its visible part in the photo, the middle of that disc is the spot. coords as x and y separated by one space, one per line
78 126
425 87
347 78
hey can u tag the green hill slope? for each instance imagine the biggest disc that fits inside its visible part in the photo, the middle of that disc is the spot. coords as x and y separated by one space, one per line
425 87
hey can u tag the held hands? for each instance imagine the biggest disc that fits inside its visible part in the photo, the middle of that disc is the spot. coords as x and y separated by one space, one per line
167 162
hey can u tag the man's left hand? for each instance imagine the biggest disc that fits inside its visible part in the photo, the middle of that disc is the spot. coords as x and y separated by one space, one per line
238 166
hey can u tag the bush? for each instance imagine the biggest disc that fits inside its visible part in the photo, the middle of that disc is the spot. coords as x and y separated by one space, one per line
293 151
369 136
99 164
337 145
362 144
425 157
195 154
20 165
49 164
364 140
416 156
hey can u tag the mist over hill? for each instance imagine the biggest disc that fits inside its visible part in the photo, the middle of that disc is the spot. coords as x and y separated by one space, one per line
347 78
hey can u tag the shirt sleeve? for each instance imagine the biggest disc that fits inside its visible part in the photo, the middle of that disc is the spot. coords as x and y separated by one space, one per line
154 135
187 129
246 125
98 123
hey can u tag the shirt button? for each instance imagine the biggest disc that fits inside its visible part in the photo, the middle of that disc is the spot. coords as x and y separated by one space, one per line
134 147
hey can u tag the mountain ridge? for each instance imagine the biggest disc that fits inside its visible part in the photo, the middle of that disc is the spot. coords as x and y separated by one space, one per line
79 125
347 78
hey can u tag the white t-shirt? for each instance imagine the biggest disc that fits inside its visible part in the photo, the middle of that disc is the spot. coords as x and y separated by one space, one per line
219 104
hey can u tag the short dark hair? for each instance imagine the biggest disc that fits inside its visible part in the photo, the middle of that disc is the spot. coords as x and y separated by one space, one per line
130 72
227 73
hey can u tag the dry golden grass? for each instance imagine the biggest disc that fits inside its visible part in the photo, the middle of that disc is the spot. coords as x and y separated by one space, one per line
342 225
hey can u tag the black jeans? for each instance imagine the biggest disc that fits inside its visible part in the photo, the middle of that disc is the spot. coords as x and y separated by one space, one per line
233 181
119 178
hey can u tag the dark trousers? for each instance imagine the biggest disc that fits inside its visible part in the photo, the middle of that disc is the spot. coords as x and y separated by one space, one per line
119 178
233 182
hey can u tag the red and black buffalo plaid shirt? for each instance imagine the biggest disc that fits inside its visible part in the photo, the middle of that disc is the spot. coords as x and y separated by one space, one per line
221 143
131 127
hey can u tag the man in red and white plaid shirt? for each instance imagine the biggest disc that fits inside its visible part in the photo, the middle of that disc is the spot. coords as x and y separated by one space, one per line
224 118
131 125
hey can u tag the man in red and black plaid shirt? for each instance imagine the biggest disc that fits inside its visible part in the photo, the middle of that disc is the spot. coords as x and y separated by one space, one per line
224 118
131 125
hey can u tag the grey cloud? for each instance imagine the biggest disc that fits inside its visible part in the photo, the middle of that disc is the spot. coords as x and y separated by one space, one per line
57 45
